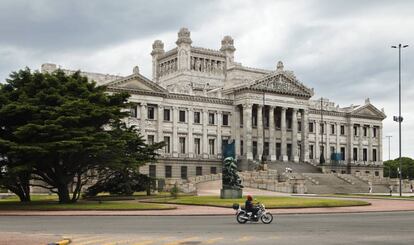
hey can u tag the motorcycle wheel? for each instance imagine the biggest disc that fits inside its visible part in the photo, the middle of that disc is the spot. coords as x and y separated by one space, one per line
240 219
267 218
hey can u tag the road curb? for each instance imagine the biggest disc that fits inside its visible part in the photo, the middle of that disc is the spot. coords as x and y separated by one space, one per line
65 241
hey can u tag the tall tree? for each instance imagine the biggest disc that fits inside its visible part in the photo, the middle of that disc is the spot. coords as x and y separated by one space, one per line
60 124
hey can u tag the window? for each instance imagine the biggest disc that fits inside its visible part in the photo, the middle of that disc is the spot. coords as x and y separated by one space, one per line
241 147
197 117
241 119
211 118
167 115
332 150
254 117
211 146
183 172
299 126
374 155
167 148
364 155
266 149
375 132
182 116
342 130
133 111
197 148
151 112
322 128
376 173
152 171
266 118
355 131
225 119
254 149
310 151
355 154
332 128
182 145
213 170
168 171
310 127
199 171
365 131
150 139
343 153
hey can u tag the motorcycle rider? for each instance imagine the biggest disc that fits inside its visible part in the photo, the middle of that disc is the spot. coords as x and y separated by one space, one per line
250 208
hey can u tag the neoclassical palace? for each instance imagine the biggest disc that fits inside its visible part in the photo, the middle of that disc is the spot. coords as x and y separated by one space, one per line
199 99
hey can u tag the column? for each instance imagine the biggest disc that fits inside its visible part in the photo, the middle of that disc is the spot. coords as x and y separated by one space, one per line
190 142
370 157
272 142
236 129
160 123
338 133
305 133
379 137
175 141
247 131
295 156
361 148
317 138
204 142
260 135
143 120
219 123
327 147
283 146
350 139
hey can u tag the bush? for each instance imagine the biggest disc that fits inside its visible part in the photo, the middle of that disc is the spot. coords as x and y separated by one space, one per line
174 191
121 183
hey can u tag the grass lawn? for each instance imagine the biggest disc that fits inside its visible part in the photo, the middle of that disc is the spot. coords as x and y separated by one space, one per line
371 196
49 203
268 201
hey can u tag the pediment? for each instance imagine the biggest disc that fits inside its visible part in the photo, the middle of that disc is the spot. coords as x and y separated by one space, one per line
368 110
137 82
281 83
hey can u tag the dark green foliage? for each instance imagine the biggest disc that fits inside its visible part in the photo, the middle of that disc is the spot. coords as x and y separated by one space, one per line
58 129
123 183
391 168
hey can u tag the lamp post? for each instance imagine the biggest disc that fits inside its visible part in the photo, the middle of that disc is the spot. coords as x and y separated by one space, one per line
399 118
389 146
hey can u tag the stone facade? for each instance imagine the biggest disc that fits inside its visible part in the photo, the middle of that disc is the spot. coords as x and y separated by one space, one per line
198 99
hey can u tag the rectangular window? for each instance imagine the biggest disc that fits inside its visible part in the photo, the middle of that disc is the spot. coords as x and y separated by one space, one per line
150 139
332 149
152 171
254 149
342 130
375 132
182 116
211 118
241 118
168 171
151 112
266 149
374 155
197 147
183 172
332 128
355 154
133 112
365 131
266 118
310 127
197 117
299 126
364 155
355 131
167 148
199 171
213 170
182 145
343 153
225 119
167 116
310 151
322 128
254 117
241 147
211 146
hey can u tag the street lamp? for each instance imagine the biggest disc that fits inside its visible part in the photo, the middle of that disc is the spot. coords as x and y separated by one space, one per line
399 118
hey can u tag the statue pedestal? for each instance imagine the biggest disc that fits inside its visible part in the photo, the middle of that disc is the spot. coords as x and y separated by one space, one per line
231 193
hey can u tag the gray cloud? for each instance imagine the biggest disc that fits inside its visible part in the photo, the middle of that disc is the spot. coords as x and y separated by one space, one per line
341 48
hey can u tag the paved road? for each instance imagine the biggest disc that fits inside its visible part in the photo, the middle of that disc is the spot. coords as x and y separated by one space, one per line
364 228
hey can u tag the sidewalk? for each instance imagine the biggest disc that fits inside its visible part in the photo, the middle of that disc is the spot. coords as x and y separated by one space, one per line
380 205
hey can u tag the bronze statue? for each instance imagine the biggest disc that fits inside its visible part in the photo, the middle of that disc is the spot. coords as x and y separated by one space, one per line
231 179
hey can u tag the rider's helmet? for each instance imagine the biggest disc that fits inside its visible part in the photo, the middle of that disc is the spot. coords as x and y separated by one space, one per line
249 197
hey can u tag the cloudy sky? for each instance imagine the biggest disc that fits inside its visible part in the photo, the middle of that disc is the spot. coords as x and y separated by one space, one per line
340 48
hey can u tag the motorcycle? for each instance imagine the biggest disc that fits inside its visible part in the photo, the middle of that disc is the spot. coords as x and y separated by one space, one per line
242 216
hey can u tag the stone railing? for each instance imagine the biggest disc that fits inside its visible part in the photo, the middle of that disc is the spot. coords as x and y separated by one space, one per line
345 178
189 185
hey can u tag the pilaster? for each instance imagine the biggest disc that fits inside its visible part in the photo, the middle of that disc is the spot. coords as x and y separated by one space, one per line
247 131
175 141
260 135
272 142
190 137
305 136
283 147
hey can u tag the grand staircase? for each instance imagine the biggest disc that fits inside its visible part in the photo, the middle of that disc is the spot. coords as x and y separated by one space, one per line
326 183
